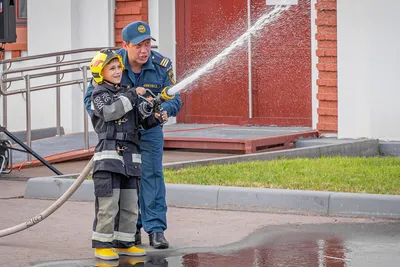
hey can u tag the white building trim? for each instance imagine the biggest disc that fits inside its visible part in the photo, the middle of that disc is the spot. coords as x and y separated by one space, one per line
368 69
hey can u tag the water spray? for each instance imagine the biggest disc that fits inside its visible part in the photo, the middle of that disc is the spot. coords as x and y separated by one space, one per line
260 23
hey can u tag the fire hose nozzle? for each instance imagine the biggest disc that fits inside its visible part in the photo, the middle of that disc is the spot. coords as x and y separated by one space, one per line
164 94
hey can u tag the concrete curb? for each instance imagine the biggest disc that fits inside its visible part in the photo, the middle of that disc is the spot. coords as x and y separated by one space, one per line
243 199
364 205
390 148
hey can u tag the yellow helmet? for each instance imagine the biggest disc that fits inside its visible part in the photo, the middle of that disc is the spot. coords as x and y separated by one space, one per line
102 58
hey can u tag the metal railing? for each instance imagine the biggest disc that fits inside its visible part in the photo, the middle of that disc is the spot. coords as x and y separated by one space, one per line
51 69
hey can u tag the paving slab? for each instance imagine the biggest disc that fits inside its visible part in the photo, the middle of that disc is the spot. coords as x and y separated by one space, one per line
12 189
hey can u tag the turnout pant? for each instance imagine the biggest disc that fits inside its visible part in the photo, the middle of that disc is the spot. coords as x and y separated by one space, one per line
116 210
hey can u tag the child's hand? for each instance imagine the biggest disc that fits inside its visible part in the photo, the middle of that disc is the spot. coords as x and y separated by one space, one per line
140 91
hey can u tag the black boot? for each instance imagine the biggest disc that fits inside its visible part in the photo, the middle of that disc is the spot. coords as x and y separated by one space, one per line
138 239
157 240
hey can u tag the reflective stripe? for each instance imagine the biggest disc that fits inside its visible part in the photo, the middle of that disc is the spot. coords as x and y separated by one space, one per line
112 154
107 154
102 237
127 103
127 237
124 237
91 105
136 158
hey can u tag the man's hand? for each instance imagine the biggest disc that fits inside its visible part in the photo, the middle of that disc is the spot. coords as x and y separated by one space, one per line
164 116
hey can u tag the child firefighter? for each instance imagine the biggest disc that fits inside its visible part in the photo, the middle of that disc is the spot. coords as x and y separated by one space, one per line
117 160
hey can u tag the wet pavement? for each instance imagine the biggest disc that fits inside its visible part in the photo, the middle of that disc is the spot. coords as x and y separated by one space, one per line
329 245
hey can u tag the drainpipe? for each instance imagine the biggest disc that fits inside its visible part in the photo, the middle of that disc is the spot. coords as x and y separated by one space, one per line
250 82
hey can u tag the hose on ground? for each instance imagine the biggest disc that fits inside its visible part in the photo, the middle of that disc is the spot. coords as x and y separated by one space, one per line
47 212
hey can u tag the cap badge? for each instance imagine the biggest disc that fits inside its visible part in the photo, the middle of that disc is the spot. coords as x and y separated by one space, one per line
141 29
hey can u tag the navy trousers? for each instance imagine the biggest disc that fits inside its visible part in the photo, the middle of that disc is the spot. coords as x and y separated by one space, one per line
153 207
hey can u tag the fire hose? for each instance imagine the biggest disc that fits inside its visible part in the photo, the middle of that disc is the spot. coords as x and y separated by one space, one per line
82 176
47 212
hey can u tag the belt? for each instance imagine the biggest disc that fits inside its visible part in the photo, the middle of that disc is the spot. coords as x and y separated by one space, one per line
119 136
123 137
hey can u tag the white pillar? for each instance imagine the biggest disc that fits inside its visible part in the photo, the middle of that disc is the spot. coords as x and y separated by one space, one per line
58 25
368 69
314 61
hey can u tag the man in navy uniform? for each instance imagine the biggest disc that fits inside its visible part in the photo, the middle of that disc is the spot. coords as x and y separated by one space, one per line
149 69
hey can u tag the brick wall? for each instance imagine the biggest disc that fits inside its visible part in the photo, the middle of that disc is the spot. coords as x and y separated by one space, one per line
21 44
127 11
327 66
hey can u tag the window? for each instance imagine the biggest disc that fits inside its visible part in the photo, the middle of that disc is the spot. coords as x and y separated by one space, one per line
22 11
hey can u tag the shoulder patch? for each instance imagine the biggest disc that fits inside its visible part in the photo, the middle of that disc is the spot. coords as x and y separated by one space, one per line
160 60
171 75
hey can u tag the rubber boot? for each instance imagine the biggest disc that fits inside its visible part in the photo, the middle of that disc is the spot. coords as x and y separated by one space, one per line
105 254
132 251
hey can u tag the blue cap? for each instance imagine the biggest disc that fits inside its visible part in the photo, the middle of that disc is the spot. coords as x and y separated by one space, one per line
136 32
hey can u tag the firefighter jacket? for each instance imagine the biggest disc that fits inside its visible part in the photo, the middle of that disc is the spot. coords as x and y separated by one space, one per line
116 121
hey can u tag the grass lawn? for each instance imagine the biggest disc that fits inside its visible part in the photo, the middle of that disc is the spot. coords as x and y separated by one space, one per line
376 175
